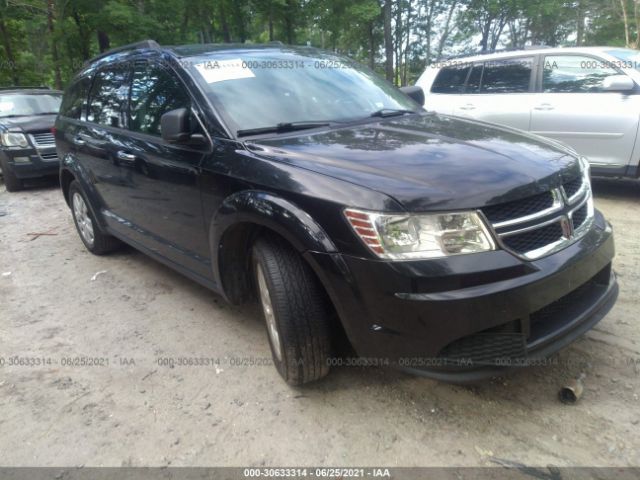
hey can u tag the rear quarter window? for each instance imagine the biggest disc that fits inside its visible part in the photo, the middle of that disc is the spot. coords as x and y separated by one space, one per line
74 101
451 79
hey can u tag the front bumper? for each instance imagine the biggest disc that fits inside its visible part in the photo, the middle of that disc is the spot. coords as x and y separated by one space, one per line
469 317
30 162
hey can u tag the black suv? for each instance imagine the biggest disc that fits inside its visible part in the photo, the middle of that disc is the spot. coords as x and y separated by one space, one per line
27 148
441 245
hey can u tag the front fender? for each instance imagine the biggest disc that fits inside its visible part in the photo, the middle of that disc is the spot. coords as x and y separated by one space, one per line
267 210
275 213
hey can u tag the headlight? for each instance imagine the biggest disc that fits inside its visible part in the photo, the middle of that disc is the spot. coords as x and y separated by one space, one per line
10 139
413 236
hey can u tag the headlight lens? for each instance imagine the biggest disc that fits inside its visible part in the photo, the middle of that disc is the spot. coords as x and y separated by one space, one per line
411 236
12 139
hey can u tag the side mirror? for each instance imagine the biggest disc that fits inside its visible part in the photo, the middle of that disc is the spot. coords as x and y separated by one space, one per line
415 92
618 83
175 127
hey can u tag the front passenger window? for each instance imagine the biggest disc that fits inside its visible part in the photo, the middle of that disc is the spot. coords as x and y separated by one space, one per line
574 74
154 91
109 95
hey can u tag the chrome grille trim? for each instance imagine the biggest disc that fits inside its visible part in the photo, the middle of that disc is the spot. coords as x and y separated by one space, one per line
576 196
42 140
561 212
556 207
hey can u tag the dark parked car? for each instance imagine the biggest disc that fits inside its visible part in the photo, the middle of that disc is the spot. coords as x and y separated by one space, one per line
27 148
444 246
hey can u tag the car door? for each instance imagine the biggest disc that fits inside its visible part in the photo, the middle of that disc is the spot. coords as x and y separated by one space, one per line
499 91
103 133
163 208
573 108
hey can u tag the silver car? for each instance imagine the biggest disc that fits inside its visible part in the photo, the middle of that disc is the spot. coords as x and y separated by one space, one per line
587 98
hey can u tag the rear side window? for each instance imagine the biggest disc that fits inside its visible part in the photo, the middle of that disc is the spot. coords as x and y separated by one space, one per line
154 91
450 79
507 76
574 74
75 98
109 97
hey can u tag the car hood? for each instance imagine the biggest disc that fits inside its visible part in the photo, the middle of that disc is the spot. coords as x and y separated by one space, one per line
31 123
430 161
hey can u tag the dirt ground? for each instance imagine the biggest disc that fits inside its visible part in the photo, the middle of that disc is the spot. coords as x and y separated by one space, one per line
127 314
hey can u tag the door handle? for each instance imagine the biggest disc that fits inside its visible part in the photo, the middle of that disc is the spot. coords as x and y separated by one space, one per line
125 157
468 106
544 106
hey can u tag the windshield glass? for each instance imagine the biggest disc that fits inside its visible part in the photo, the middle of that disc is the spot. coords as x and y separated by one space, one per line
30 104
262 88
630 58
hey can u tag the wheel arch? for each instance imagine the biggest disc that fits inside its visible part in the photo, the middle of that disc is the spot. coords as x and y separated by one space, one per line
244 216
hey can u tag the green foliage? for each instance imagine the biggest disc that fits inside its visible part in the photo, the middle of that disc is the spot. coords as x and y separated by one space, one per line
34 32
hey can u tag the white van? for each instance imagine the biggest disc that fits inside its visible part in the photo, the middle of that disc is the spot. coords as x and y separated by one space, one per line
587 98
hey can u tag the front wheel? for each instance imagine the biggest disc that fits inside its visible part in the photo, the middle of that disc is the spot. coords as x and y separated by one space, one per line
296 311
11 182
96 242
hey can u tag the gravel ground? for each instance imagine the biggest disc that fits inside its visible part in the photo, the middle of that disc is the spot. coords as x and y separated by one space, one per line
59 303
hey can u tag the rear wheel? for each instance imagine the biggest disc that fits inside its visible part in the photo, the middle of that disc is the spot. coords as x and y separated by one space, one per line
11 182
96 242
296 311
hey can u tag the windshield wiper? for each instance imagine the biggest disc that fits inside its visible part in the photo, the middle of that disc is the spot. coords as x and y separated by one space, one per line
282 128
46 113
391 112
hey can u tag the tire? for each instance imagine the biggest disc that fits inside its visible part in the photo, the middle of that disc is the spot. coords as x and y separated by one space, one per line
94 240
11 182
299 328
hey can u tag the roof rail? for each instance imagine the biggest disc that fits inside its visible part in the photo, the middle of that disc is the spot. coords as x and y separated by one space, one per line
17 87
132 46
498 50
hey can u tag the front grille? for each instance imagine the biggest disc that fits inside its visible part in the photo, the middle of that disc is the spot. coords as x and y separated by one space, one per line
526 226
519 208
572 187
43 139
580 216
530 240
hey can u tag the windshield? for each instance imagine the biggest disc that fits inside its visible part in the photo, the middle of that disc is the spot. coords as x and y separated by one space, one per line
18 104
258 88
630 58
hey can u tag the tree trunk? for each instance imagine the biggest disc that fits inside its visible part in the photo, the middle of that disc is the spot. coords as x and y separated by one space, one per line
446 31
580 23
625 19
184 24
398 33
372 47
405 72
54 47
84 37
636 15
288 22
103 41
8 50
271 21
388 40
226 36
